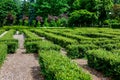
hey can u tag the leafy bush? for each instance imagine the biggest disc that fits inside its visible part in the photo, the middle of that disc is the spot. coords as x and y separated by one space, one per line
62 22
58 67
105 61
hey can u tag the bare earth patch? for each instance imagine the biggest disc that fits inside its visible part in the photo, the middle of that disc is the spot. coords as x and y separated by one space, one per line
21 66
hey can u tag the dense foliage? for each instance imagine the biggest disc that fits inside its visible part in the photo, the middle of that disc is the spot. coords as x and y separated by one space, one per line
59 12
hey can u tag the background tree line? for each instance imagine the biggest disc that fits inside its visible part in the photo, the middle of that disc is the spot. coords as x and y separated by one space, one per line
59 12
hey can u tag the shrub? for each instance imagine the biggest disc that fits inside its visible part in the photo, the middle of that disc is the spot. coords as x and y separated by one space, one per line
73 51
70 35
115 25
77 51
98 35
46 45
105 61
3 53
31 36
60 40
9 41
62 22
58 67
46 24
110 47
33 47
12 47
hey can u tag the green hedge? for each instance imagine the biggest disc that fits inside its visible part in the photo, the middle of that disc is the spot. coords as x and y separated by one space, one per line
105 61
70 35
60 40
46 45
31 41
1 31
95 35
104 42
3 53
29 36
33 47
58 67
110 47
10 41
115 25
78 51
8 35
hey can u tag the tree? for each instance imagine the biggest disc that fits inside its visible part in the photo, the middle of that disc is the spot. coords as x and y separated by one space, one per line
116 11
82 17
100 7
103 8
52 7
7 6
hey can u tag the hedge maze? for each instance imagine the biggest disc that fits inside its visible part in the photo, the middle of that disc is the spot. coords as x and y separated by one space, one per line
101 46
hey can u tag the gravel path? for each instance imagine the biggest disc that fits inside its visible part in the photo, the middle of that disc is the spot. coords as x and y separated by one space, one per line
21 66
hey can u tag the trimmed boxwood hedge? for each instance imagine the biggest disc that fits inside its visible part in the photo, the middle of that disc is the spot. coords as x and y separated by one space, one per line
3 53
58 67
33 47
105 61
60 40
95 35
29 36
46 45
78 51
110 47
70 35
11 43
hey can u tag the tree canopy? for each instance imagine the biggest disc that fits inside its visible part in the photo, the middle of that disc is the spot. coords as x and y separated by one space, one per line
31 9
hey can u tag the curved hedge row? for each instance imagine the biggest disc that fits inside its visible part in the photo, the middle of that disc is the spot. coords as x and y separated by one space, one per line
58 67
105 61
10 41
3 53
29 36
62 41
33 47
70 35
78 51
1 31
